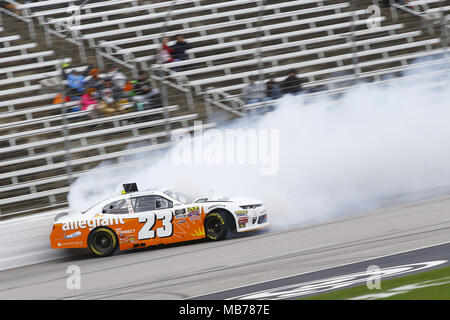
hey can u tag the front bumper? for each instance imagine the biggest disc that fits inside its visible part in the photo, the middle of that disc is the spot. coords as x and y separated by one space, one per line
254 219
252 228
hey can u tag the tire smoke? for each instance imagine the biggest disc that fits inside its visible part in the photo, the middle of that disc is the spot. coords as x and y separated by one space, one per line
335 157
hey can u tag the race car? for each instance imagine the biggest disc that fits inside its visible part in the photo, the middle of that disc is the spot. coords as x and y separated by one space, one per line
138 219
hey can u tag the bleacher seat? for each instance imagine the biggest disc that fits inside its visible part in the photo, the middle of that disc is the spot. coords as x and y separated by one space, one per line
230 41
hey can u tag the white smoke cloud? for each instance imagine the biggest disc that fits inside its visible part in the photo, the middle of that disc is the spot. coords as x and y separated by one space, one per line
333 157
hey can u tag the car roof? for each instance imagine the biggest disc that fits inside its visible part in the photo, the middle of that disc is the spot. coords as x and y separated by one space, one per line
131 195
143 193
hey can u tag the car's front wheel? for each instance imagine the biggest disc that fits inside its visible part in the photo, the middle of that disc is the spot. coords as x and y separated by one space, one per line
216 226
102 242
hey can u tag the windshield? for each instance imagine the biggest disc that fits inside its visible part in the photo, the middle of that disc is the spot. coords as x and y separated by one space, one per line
91 207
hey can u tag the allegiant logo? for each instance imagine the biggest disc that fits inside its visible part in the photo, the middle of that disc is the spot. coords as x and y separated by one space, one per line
92 223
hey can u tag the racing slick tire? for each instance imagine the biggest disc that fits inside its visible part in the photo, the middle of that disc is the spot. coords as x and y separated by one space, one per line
216 226
102 242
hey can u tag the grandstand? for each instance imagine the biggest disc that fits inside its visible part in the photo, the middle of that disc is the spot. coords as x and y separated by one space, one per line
328 42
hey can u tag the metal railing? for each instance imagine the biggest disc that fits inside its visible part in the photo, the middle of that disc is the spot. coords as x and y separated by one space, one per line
110 52
428 18
62 30
224 101
24 18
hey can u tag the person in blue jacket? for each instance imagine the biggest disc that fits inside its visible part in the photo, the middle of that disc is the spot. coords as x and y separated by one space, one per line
76 82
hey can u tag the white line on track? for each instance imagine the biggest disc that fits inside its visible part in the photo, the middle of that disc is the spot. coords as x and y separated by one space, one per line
321 269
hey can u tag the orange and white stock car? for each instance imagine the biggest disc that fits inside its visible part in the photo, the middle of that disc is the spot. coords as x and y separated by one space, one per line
141 219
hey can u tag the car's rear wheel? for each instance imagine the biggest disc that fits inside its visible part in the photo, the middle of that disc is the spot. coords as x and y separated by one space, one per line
102 242
216 226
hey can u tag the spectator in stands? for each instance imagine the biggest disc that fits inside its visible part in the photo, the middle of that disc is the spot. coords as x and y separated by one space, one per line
59 99
107 94
146 96
179 49
164 54
76 83
254 92
128 87
89 102
84 73
90 67
142 84
118 80
95 81
292 84
273 90
107 104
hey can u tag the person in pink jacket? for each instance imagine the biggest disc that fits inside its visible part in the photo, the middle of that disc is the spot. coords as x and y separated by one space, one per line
88 101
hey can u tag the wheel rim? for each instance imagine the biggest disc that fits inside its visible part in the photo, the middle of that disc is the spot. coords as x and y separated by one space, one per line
214 226
103 242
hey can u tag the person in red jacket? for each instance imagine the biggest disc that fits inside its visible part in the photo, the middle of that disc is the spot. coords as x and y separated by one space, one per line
165 53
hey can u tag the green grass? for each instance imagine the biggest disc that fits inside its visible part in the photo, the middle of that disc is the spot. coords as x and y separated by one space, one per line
440 291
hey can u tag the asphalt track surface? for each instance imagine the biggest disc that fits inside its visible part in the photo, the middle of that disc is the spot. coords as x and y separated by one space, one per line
205 269
341 277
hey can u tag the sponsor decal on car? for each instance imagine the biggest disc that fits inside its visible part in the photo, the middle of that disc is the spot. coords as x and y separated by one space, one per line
195 209
126 231
180 212
242 213
75 243
92 223
194 216
73 235
243 220
193 213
